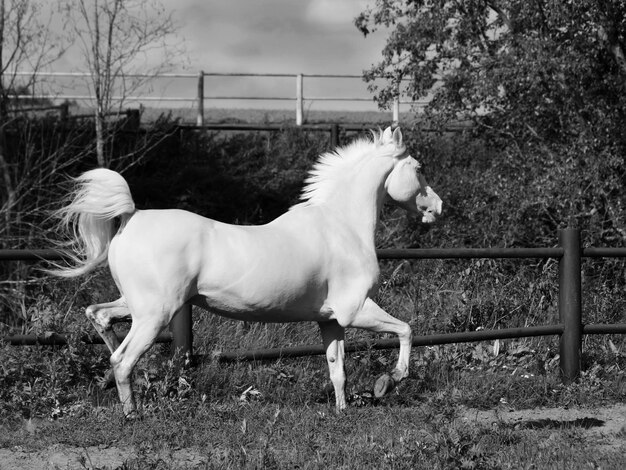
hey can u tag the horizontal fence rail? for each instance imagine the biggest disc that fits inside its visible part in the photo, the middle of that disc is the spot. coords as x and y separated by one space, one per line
333 129
56 339
430 340
200 97
570 329
469 253
31 255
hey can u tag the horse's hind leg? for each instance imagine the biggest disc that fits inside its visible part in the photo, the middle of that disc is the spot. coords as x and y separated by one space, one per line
141 336
374 318
333 338
102 317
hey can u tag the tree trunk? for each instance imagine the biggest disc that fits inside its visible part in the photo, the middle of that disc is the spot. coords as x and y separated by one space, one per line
5 169
102 163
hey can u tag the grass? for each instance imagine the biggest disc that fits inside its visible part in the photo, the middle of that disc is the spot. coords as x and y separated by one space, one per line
279 414
272 437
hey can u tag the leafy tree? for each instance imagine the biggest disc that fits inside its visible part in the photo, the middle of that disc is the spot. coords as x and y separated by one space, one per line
544 80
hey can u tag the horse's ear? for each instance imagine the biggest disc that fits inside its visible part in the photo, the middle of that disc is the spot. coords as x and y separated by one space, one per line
387 135
397 137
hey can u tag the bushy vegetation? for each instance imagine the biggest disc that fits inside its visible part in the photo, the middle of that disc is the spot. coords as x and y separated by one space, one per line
543 84
251 178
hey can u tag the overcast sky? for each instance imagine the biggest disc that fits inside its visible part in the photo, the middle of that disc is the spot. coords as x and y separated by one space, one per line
272 36
306 36
278 36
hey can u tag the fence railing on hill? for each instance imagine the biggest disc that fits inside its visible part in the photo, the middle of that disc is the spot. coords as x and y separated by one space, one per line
298 97
571 328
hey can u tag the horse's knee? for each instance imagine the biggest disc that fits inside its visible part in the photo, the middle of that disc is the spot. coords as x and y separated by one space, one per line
405 332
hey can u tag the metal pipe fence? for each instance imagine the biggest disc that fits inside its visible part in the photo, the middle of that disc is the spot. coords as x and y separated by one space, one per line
570 328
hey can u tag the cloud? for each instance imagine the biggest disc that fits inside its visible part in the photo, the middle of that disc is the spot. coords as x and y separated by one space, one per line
334 13
314 36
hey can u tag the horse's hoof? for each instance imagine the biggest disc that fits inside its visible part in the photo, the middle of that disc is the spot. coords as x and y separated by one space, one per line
131 416
340 409
384 385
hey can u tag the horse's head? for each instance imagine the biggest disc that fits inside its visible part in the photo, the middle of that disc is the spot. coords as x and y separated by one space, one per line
406 185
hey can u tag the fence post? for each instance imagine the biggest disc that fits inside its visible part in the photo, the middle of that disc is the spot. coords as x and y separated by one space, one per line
64 111
182 333
133 120
396 110
299 99
334 135
570 304
200 97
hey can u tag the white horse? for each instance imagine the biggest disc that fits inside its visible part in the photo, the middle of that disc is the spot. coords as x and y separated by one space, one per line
317 262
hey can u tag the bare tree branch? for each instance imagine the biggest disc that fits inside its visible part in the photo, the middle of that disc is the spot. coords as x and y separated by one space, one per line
114 37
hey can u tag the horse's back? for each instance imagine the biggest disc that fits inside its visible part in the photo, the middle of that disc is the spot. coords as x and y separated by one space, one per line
171 229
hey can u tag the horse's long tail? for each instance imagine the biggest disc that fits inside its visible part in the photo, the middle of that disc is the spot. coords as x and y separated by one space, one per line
98 198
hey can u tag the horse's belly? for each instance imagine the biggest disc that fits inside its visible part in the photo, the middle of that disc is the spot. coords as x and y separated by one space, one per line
257 310
263 275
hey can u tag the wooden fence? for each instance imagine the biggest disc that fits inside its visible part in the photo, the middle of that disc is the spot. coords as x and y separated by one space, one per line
570 328
201 97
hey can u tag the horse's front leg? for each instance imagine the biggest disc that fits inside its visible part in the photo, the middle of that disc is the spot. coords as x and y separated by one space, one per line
333 337
374 318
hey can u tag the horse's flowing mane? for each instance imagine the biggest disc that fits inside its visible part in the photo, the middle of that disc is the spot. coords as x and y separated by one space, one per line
330 165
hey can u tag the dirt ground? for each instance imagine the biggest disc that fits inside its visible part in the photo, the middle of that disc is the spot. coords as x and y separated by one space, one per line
101 457
607 425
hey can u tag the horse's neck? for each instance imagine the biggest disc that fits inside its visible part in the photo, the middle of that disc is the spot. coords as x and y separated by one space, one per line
358 199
